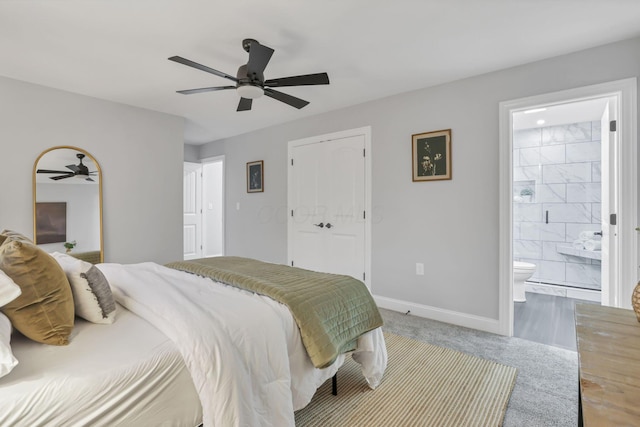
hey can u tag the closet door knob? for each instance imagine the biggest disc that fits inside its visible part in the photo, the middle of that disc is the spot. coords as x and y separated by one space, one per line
329 225
322 225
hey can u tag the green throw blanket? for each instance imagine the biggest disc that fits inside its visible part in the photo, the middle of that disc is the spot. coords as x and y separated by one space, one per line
331 310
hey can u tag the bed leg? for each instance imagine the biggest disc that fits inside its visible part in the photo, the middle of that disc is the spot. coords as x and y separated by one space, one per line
334 385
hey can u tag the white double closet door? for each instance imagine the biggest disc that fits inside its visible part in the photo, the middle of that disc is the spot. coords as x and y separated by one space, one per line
327 206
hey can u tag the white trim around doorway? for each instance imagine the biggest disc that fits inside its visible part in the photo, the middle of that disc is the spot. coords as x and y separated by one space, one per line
627 175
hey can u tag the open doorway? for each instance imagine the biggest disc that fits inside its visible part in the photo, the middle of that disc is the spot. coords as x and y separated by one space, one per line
563 182
558 194
213 207
203 207
561 191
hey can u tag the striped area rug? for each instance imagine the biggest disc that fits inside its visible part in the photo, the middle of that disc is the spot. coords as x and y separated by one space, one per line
424 385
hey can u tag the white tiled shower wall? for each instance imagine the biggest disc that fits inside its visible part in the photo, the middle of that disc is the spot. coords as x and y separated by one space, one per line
557 170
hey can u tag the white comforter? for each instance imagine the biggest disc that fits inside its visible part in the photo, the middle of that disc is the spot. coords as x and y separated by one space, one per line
243 350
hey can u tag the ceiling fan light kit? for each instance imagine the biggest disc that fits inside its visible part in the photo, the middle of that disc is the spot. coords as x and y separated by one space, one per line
249 81
250 91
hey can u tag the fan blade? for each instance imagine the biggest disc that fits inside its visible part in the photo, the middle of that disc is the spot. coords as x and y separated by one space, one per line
204 89
306 80
69 175
50 171
287 99
259 57
74 168
189 63
245 104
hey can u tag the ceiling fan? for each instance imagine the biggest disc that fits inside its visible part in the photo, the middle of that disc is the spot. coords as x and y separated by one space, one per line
79 170
250 82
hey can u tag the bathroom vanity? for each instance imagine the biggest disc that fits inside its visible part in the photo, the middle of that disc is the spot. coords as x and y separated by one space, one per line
609 366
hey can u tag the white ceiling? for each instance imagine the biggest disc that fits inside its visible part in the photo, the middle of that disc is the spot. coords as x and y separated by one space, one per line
118 49
560 114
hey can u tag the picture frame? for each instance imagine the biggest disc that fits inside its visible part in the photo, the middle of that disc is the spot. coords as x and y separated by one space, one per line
51 222
431 155
255 177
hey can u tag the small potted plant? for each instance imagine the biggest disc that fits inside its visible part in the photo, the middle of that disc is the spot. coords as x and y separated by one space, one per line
70 245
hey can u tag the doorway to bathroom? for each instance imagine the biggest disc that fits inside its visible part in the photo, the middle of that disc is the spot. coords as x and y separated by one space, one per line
558 188
558 239
568 188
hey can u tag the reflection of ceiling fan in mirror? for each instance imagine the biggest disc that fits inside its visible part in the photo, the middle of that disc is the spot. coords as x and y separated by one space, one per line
79 170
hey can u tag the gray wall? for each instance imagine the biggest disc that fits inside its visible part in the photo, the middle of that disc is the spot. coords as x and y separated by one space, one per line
191 153
451 226
83 214
140 153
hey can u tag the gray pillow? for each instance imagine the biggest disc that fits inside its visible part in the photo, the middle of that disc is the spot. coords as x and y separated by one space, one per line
92 295
101 289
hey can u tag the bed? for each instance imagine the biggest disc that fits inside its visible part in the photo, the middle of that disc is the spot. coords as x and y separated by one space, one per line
182 350
126 373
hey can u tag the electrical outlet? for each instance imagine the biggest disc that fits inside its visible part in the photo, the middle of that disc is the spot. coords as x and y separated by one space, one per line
419 269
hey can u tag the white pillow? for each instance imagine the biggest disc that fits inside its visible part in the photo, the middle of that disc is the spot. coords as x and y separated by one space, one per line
7 360
8 289
92 295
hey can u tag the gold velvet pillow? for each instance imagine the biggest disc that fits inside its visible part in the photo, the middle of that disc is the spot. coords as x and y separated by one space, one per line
44 312
14 235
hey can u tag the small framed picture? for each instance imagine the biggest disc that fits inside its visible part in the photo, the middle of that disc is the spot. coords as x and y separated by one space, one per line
431 155
255 177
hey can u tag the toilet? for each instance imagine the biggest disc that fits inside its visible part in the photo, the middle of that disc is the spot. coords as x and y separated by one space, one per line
522 271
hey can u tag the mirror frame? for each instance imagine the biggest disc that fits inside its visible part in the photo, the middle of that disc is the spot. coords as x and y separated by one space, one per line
93 159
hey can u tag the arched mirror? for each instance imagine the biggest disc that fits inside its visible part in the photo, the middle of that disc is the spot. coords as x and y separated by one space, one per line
67 203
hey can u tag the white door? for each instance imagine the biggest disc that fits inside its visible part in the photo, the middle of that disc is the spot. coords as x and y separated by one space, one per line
192 233
307 208
327 201
609 206
344 175
213 208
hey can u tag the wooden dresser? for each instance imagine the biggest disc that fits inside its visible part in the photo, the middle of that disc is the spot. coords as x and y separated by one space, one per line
609 363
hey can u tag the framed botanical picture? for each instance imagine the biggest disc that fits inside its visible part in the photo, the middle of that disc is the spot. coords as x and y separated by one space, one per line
255 177
431 155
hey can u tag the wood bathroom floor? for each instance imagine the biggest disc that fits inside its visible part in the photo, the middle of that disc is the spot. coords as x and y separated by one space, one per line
547 319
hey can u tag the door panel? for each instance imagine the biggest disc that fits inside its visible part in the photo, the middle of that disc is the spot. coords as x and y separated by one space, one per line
190 242
343 253
345 239
309 251
191 208
328 198
306 207
608 202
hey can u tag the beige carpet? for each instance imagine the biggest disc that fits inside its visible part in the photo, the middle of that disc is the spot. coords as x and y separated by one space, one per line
424 385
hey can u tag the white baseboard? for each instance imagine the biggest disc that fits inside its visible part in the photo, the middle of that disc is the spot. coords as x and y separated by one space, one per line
439 314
